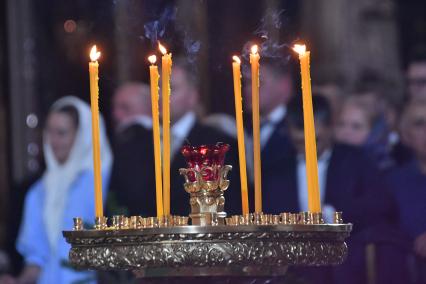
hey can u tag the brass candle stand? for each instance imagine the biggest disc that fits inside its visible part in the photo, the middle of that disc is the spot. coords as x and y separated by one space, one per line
208 242
251 245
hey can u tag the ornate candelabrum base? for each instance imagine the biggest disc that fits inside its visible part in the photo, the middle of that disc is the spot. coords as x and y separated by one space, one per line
244 250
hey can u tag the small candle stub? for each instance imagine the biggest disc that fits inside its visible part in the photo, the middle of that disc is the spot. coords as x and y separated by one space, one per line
101 223
248 219
121 222
163 221
285 218
317 218
257 218
152 222
176 220
183 221
275 219
126 222
235 220
78 224
305 218
116 222
338 218
134 222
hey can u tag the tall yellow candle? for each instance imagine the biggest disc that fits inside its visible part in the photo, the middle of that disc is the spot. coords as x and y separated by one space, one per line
254 61
154 76
236 68
166 70
94 100
314 200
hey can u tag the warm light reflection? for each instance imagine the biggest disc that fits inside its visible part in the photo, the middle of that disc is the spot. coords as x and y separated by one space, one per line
236 59
300 48
152 59
254 49
163 50
94 54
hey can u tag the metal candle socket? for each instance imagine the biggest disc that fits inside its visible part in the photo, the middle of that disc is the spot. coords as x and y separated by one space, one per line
206 197
78 224
101 223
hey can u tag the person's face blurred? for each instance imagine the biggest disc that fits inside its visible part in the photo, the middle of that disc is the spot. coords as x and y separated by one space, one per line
414 130
61 132
183 97
323 134
274 90
370 101
127 103
352 126
416 79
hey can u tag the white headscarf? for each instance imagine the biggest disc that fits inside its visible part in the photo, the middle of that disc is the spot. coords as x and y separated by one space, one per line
58 178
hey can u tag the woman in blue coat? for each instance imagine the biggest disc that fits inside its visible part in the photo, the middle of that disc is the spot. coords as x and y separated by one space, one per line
65 191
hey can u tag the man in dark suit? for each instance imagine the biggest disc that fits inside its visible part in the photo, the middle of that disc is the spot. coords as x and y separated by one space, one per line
276 89
416 77
349 182
408 184
187 129
132 186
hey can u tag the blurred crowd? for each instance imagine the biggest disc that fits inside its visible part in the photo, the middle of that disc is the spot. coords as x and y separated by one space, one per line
371 166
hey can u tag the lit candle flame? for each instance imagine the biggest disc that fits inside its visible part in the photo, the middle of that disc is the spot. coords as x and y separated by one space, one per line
152 59
254 49
236 59
163 50
94 54
300 48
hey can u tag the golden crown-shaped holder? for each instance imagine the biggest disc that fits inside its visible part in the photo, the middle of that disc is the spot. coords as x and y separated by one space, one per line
206 182
207 199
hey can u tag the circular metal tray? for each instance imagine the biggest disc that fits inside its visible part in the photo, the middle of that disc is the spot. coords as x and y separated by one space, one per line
244 250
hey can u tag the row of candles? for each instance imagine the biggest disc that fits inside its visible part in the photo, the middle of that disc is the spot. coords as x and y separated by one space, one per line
119 222
162 160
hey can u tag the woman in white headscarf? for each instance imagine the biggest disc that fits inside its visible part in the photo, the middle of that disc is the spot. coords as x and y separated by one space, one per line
65 191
